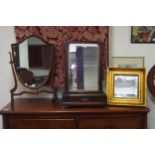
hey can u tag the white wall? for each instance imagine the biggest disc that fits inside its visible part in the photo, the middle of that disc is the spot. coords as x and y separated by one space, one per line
120 45
7 37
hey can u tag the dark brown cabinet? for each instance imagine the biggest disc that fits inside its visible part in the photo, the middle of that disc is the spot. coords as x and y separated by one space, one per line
43 114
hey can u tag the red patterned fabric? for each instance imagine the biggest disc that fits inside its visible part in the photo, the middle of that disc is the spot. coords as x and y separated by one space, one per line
59 35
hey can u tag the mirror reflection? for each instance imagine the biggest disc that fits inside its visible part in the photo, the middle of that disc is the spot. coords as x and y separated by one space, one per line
83 66
33 59
126 86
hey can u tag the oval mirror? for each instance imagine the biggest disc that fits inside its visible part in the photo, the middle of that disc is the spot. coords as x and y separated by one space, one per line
33 60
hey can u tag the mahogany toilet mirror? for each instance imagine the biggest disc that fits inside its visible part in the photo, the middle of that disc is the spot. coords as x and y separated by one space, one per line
84 75
32 62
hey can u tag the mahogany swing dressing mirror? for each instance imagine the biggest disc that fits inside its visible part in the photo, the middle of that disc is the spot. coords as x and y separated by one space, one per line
33 62
83 84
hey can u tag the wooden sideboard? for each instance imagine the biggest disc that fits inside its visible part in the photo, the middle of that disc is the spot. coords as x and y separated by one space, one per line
43 114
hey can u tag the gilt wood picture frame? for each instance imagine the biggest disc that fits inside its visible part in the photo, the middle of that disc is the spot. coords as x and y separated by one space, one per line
126 86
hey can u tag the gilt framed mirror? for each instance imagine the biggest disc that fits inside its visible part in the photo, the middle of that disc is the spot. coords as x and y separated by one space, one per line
32 62
83 74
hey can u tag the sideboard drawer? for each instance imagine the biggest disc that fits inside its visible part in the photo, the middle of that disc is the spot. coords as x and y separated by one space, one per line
42 123
122 122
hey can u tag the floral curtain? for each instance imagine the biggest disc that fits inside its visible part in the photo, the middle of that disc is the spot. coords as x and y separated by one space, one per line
59 35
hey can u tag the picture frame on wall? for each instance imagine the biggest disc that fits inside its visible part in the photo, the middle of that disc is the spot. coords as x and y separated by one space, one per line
126 86
128 62
143 34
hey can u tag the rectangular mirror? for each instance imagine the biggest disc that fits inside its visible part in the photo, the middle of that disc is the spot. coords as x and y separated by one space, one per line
84 74
126 86
83 67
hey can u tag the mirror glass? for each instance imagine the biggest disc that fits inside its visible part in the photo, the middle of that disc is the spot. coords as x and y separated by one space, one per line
83 66
126 86
33 60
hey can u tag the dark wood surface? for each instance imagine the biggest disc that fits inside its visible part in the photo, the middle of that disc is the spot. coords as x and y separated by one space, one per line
42 113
